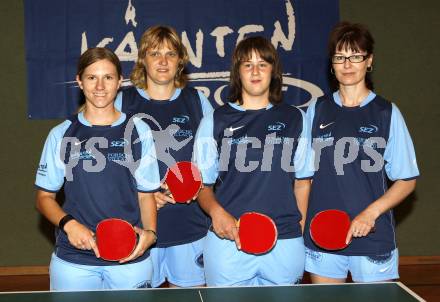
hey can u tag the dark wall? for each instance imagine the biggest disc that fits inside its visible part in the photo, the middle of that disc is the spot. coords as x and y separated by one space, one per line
406 61
406 65
23 242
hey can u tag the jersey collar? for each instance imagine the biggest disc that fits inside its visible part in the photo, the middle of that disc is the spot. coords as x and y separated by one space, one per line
145 95
368 98
85 122
239 107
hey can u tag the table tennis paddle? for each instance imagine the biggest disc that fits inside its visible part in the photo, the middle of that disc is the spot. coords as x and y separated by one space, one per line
115 239
329 228
257 232
184 181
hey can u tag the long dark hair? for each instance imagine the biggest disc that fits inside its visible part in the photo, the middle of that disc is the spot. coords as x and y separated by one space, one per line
267 52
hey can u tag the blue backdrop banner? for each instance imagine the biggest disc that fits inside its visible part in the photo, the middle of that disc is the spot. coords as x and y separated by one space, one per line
57 32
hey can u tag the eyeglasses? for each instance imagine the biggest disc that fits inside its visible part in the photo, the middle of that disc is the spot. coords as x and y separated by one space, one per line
339 59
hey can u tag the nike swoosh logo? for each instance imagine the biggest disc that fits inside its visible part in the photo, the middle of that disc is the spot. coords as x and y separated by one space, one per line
79 143
322 126
236 128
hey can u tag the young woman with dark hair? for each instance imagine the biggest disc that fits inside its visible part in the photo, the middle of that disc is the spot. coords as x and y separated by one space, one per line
267 178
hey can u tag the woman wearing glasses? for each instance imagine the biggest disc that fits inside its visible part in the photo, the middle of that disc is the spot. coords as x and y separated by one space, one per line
358 138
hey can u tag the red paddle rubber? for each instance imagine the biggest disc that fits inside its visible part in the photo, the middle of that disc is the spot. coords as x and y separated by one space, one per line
258 233
115 238
184 181
328 229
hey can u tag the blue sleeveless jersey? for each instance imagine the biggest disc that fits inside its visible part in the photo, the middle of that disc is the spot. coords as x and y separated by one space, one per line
352 183
174 123
90 160
256 150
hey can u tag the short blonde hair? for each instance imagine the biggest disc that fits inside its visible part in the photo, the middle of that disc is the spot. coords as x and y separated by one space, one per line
154 37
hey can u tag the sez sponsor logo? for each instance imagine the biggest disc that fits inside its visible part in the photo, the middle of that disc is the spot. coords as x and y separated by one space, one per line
181 119
278 126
